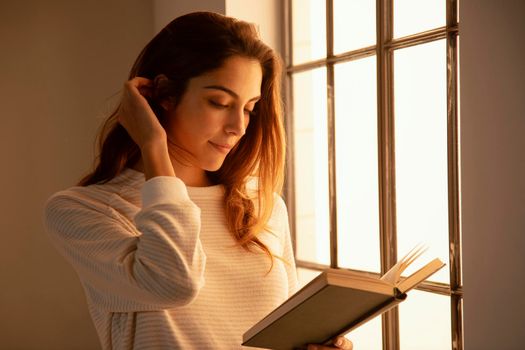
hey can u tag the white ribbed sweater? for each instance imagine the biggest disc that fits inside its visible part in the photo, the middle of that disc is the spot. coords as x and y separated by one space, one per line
159 267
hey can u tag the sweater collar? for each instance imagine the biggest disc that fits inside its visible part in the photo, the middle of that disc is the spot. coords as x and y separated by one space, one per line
136 179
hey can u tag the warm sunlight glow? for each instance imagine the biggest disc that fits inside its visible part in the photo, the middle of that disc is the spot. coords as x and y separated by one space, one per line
311 171
424 321
356 160
421 150
415 16
309 30
354 24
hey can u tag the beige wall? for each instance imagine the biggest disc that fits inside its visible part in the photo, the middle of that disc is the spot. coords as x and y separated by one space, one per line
493 161
266 14
166 10
60 61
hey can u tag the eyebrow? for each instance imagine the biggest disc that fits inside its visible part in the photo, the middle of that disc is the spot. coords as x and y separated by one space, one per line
228 91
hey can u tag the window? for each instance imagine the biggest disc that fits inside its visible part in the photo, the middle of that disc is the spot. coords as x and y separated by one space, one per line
372 124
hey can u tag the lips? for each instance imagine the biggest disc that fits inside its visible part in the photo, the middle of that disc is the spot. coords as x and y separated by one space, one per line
223 148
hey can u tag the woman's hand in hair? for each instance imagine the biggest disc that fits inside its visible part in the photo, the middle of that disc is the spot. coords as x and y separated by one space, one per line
339 343
136 115
141 123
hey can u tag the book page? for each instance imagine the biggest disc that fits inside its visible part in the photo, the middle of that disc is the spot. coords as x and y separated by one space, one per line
420 275
393 276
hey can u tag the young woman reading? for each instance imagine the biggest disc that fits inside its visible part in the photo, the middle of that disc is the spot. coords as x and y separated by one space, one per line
178 236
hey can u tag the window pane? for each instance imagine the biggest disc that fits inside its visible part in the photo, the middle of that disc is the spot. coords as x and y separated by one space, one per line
368 336
421 150
415 16
308 30
354 24
424 322
304 276
311 166
356 163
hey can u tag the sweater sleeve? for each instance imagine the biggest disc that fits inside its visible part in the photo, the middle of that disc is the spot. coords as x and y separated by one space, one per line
291 270
157 263
287 254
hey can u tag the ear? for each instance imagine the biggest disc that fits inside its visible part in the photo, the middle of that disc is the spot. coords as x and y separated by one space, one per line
167 104
161 88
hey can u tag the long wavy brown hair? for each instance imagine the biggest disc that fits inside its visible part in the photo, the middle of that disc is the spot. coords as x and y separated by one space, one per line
189 46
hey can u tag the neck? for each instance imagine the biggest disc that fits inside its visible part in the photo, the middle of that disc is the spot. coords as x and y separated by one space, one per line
190 175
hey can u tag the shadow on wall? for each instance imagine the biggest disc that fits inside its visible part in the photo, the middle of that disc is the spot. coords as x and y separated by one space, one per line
61 61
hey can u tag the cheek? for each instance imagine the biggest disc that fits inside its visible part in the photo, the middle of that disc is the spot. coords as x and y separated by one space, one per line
195 129
182 122
195 123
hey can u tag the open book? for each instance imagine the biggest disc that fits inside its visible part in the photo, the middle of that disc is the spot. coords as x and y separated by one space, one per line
334 303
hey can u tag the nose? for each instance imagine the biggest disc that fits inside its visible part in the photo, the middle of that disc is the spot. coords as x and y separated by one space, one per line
237 122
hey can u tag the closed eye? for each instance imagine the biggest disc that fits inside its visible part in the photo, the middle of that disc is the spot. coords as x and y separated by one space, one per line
221 106
217 104
254 110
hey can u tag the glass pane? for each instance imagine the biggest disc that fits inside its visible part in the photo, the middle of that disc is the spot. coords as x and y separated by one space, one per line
368 336
311 166
415 16
354 24
356 163
304 276
424 322
421 150
308 30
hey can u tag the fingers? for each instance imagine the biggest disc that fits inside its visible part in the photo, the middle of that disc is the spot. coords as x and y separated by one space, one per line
134 92
137 81
136 115
343 343
139 85
339 343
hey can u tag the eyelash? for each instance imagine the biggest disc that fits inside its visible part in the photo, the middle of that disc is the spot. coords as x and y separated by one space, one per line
221 106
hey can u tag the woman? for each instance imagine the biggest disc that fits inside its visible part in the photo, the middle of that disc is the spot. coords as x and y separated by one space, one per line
177 235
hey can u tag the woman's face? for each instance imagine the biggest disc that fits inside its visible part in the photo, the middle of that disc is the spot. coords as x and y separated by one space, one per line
213 115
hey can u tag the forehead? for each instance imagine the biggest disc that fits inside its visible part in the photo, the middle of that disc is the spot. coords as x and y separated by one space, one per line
239 74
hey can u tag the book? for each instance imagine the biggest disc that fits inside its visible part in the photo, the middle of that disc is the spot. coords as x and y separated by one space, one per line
334 303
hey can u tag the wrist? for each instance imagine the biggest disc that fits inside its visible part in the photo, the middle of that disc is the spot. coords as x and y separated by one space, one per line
154 146
156 159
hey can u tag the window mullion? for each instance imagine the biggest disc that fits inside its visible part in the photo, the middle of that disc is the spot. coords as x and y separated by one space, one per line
289 187
453 177
388 241
331 133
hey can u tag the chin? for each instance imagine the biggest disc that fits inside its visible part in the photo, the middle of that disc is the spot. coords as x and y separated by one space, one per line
213 166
